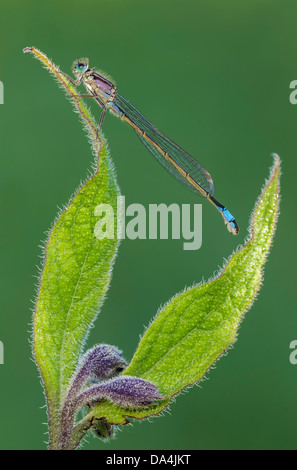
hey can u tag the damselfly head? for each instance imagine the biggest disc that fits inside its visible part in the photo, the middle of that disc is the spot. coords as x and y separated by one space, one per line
80 66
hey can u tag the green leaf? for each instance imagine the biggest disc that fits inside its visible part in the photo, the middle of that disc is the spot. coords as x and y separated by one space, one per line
198 325
77 269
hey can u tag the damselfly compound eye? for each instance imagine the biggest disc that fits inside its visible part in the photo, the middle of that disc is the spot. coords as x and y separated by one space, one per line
80 67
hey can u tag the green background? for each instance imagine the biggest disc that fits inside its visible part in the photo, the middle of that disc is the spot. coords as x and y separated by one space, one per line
215 77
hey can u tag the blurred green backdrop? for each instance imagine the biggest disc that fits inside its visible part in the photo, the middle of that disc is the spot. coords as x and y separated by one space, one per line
215 77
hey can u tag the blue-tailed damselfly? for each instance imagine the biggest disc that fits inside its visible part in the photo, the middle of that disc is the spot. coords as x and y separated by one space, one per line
175 160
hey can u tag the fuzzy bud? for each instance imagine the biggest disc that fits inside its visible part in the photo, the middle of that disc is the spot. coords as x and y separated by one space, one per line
125 391
102 362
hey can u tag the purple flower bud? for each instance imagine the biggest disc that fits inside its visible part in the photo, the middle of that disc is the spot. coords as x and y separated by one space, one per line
125 391
102 362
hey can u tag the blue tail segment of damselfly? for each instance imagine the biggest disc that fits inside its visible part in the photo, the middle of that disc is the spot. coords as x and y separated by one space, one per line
173 158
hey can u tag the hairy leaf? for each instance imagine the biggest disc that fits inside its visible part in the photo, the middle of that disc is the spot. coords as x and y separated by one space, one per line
77 268
195 327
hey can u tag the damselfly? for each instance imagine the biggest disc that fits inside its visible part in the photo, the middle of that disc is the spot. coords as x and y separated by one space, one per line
175 160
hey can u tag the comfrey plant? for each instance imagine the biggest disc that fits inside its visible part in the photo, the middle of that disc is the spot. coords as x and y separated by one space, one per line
97 390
